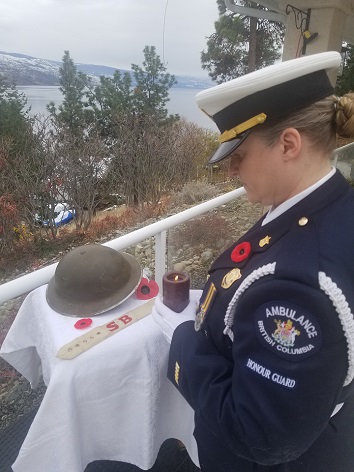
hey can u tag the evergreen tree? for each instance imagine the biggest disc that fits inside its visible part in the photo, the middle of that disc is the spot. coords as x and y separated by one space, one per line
143 92
21 164
72 113
73 143
131 110
152 85
14 116
111 97
240 44
226 56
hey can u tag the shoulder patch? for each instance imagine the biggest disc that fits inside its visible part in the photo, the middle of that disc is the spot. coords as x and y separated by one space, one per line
288 330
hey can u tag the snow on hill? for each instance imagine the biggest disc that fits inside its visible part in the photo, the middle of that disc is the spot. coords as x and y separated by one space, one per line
28 70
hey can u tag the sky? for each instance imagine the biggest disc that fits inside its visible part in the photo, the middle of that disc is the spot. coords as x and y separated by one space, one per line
110 32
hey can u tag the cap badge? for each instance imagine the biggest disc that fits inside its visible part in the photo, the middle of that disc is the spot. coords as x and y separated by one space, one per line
264 241
241 252
231 277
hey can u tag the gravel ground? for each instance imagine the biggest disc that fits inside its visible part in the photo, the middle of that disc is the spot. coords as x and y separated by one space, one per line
16 396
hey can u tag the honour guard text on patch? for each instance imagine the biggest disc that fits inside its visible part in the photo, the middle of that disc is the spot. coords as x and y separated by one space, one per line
268 374
288 330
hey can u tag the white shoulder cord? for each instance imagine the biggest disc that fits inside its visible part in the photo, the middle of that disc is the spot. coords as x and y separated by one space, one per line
231 309
326 284
345 316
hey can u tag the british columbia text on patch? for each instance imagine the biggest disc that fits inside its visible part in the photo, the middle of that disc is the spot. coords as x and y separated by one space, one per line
288 330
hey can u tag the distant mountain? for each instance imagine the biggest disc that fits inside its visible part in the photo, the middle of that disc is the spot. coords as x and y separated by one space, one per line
28 70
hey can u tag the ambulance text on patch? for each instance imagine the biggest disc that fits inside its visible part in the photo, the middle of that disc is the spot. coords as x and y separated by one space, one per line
288 330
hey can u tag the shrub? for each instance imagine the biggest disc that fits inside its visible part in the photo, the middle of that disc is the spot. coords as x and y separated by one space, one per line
194 192
205 231
22 232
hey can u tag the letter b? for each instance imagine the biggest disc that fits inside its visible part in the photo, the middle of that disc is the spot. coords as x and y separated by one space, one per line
125 319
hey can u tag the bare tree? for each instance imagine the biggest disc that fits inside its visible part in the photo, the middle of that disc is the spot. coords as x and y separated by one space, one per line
151 158
81 166
192 146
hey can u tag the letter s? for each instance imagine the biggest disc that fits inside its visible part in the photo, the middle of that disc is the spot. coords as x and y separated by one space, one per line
112 326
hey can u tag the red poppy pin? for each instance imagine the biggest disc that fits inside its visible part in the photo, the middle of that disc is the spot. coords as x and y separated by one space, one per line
241 252
83 323
147 289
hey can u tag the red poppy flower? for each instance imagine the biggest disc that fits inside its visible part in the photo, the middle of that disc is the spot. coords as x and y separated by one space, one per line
147 289
83 323
241 252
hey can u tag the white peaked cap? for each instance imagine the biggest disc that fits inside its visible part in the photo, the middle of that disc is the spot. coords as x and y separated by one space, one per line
264 95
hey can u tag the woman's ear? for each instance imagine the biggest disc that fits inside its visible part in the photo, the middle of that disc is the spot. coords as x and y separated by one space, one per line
291 143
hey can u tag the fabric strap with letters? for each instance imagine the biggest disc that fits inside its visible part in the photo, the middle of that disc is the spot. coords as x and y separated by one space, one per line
100 333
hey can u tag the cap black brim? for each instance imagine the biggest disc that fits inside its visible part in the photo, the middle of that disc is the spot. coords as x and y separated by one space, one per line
225 149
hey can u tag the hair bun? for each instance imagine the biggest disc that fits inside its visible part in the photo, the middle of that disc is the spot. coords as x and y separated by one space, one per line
344 115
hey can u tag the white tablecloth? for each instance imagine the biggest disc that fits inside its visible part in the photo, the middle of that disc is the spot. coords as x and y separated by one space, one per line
112 402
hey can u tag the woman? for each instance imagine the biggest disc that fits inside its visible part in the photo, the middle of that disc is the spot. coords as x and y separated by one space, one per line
267 362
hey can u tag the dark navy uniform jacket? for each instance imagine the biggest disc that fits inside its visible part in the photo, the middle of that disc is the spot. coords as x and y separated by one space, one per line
273 358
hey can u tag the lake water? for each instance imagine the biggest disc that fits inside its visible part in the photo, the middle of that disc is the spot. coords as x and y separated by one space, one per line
182 101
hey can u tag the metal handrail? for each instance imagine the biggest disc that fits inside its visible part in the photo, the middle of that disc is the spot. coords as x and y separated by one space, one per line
29 282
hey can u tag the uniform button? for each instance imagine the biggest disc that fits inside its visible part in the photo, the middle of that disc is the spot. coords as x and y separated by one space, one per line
303 221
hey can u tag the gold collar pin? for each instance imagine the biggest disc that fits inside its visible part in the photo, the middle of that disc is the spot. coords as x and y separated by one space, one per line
264 241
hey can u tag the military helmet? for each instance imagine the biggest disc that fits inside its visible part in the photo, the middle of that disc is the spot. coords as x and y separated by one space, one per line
92 279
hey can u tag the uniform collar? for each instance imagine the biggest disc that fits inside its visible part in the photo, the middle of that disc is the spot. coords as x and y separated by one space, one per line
262 238
272 214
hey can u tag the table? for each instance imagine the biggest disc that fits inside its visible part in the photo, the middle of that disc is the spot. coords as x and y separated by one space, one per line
112 402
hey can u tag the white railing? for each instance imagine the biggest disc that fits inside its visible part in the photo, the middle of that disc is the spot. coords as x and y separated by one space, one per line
35 279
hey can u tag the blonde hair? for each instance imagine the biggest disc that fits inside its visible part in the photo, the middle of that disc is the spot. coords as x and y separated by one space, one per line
321 122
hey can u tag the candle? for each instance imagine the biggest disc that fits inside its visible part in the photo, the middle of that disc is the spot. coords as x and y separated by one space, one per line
175 289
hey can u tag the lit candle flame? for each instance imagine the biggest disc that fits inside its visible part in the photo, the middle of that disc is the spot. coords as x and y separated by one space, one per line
176 278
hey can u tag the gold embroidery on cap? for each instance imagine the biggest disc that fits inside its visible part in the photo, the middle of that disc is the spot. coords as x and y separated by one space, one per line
264 241
246 125
231 277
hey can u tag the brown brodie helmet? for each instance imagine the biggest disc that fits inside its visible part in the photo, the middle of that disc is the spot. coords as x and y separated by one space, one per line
92 279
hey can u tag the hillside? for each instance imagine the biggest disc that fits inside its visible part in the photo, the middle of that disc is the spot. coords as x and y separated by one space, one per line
27 70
